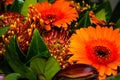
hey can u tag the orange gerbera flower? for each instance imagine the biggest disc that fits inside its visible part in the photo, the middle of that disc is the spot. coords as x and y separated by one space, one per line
55 14
99 47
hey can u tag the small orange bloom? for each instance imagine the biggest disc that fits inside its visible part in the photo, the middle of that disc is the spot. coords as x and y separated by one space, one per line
99 47
56 14
95 20
7 2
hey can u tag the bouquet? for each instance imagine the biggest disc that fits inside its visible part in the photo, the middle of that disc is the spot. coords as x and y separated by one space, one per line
59 40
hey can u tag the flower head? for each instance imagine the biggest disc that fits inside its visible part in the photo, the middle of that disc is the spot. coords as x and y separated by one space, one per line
56 15
98 47
17 26
8 19
95 20
57 41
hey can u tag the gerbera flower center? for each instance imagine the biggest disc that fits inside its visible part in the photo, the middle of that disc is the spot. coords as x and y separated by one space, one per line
103 55
50 17
101 51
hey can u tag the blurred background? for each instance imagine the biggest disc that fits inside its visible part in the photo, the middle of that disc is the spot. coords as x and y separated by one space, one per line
112 2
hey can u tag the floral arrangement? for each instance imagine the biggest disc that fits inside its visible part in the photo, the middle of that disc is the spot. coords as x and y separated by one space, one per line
59 40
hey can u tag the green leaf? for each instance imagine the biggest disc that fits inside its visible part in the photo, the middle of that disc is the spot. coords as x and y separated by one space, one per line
104 11
51 1
4 67
21 55
1 71
11 56
85 20
37 46
16 6
12 76
52 67
3 30
117 25
42 0
101 14
26 4
37 65
46 67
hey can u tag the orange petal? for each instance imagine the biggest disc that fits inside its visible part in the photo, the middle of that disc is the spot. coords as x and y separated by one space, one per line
101 70
114 72
108 71
113 65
